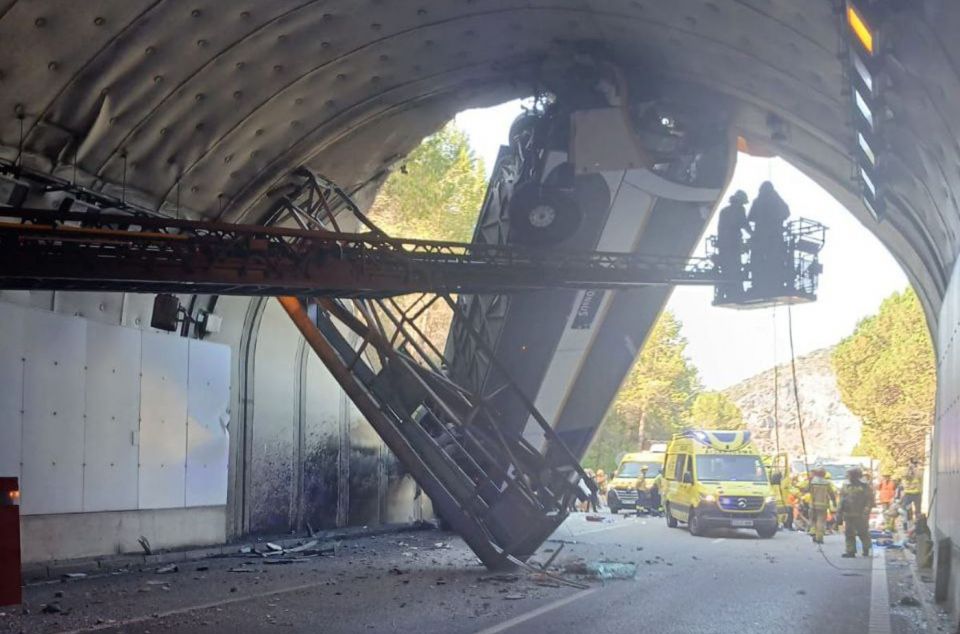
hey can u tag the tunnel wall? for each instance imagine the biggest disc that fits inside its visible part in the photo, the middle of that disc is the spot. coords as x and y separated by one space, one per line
121 426
312 461
183 441
945 460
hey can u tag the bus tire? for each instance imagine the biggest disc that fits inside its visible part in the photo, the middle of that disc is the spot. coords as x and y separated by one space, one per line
542 216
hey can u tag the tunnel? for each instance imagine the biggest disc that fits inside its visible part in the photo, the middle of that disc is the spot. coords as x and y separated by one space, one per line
202 110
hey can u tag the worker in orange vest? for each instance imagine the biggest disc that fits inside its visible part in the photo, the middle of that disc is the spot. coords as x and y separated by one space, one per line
887 489
886 494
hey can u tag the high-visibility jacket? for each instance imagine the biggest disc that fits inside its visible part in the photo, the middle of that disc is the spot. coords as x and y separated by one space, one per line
856 499
886 491
912 485
822 494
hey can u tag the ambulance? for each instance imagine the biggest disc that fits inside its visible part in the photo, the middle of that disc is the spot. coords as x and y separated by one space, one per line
717 479
636 471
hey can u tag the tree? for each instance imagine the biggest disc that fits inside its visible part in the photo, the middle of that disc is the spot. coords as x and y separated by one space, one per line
886 372
655 398
714 410
437 193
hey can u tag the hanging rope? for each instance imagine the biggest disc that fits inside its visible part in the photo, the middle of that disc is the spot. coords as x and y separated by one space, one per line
847 571
776 384
796 388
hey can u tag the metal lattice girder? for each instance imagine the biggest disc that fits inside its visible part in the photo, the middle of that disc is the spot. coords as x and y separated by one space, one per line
116 252
498 493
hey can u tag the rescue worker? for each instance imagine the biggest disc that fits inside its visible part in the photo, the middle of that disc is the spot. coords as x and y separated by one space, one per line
886 490
730 234
656 498
768 253
640 484
912 487
886 493
590 503
802 516
822 498
601 480
853 511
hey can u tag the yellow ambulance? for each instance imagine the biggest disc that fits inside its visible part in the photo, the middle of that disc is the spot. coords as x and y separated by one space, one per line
717 479
635 471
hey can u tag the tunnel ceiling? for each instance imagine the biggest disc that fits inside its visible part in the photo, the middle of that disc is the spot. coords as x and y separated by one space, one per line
212 102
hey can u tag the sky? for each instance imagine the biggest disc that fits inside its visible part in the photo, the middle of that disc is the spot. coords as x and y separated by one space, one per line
729 345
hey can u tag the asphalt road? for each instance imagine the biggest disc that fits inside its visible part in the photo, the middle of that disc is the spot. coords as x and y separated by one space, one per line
429 581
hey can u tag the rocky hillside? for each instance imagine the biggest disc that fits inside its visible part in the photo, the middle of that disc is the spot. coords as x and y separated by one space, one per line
829 427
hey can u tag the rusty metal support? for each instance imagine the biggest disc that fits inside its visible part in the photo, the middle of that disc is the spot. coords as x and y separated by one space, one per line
413 461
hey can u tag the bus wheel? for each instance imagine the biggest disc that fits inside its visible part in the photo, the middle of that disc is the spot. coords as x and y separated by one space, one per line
542 216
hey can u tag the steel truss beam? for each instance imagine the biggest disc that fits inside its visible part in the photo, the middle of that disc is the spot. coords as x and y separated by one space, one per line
115 252
499 493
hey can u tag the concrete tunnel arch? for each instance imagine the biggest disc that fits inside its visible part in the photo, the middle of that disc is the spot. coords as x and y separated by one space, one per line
202 108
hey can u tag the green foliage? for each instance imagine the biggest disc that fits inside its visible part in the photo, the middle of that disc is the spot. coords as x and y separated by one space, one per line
655 399
887 376
438 192
436 195
714 410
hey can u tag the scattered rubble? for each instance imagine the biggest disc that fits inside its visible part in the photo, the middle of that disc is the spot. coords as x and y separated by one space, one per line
603 569
500 578
168 569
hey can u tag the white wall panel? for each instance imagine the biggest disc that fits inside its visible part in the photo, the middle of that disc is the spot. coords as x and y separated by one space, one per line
11 388
53 406
110 471
163 421
208 442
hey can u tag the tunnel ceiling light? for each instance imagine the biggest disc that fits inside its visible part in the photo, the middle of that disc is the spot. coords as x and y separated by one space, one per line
863 74
868 182
861 30
863 107
868 152
872 208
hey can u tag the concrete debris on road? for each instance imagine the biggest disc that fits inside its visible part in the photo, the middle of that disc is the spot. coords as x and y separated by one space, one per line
169 568
500 578
302 547
51 608
605 570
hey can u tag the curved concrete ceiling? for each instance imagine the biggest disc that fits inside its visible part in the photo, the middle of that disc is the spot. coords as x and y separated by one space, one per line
213 102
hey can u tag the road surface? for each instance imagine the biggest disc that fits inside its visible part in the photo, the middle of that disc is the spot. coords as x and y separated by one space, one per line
428 581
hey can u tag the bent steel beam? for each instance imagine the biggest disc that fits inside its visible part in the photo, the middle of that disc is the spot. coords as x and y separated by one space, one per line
499 494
